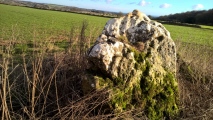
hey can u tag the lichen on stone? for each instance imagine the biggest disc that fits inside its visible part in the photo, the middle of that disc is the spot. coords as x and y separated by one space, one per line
135 58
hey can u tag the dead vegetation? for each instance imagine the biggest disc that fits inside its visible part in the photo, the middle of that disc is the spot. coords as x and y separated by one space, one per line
195 78
47 85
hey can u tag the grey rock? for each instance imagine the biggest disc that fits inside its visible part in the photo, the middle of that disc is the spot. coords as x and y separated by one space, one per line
137 55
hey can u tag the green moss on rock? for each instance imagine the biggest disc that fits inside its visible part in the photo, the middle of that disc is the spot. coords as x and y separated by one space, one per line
154 92
161 99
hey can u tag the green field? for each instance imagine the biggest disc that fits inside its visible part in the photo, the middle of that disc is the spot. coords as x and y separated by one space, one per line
206 27
26 22
191 34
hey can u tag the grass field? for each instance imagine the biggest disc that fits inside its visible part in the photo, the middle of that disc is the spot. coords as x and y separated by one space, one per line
24 21
207 27
47 85
191 34
47 23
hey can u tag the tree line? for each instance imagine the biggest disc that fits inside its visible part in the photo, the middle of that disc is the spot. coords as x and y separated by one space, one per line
204 17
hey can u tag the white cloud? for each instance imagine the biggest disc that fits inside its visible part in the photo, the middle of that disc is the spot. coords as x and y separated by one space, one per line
144 3
165 5
197 7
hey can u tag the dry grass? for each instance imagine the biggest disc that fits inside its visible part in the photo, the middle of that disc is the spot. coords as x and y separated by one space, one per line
195 81
47 85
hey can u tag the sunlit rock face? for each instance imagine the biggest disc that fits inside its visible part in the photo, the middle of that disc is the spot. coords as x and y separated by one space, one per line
135 57
141 32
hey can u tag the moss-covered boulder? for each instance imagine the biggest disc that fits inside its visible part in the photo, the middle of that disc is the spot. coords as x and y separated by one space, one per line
135 58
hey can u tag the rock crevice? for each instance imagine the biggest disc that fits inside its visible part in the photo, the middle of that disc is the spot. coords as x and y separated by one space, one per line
138 57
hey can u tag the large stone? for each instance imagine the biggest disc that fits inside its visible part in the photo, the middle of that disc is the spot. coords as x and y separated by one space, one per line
136 58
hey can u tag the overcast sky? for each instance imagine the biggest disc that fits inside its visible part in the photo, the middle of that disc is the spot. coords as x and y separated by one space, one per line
150 7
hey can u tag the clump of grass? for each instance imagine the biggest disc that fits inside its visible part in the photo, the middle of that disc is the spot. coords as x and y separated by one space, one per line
195 80
41 85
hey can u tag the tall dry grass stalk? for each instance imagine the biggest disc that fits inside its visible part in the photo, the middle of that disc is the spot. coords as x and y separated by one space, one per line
39 83
195 80
6 84
45 84
4 89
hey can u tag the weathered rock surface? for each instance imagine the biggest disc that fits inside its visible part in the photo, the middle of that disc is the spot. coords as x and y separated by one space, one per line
136 58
